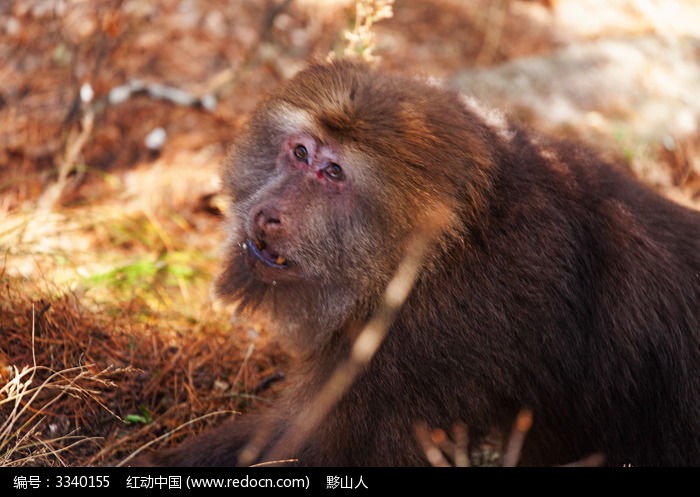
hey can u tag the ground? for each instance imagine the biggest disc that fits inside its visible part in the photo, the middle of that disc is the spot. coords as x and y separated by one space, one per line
115 116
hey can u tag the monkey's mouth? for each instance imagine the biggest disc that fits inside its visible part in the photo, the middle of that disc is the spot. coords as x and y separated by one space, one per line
260 251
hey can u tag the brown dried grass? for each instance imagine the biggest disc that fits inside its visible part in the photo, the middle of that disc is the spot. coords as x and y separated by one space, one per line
72 380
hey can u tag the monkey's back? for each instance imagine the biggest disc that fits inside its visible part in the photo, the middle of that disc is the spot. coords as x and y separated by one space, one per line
579 297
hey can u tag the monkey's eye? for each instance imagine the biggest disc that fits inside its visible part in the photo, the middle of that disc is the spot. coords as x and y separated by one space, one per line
334 172
301 153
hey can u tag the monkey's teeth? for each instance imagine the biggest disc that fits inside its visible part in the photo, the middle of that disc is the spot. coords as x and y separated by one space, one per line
259 248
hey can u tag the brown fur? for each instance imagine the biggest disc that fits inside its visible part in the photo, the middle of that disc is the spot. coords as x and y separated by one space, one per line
557 282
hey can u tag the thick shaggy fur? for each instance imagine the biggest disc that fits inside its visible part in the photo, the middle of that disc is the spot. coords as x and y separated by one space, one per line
557 283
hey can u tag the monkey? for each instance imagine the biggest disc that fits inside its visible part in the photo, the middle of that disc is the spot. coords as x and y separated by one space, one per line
551 280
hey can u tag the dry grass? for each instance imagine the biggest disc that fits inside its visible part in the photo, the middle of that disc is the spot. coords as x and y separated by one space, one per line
29 394
88 388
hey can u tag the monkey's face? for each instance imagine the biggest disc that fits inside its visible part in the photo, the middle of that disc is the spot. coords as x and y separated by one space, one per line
312 211
290 222
328 181
313 234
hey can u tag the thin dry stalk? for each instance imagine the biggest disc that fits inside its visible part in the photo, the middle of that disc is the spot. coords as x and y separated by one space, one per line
74 145
45 450
427 440
496 18
361 41
170 433
592 461
521 427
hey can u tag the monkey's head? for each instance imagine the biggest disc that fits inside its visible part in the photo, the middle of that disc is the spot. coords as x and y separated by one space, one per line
331 176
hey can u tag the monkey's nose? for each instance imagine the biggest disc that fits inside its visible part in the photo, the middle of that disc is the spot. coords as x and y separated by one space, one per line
268 220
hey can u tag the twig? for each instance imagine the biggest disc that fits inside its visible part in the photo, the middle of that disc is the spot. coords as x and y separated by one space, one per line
74 145
361 41
496 17
170 433
522 425
432 451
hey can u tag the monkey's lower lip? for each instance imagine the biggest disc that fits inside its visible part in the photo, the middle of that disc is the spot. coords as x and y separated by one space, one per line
261 252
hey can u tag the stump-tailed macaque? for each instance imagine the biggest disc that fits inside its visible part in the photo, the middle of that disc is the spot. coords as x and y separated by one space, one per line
552 281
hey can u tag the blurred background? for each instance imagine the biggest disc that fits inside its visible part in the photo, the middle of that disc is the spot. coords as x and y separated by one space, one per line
115 116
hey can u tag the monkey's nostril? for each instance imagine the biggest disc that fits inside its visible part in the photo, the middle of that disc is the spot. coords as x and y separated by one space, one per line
268 220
